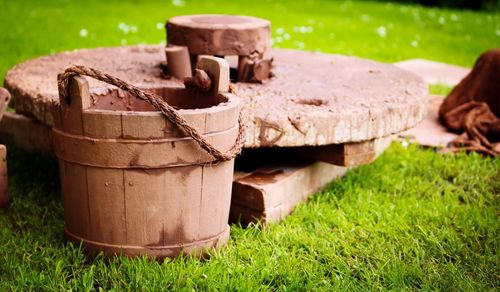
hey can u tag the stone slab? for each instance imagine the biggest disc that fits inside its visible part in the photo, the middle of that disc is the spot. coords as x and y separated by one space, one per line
430 132
434 72
313 98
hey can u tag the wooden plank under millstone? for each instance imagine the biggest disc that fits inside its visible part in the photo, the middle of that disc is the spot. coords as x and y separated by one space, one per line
313 99
269 183
271 192
348 154
25 132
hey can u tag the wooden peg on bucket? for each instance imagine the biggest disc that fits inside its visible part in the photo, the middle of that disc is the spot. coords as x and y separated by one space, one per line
218 71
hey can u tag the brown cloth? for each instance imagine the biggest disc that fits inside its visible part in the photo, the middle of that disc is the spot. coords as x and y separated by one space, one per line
473 107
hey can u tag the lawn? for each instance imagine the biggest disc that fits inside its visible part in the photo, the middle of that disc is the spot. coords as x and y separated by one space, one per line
414 219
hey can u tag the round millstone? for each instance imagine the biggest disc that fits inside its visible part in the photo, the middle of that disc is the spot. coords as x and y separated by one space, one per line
313 99
221 35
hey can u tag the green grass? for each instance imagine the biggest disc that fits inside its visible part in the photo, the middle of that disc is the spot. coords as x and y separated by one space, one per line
414 219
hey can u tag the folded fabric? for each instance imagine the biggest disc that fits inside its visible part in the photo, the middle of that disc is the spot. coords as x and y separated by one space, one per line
472 108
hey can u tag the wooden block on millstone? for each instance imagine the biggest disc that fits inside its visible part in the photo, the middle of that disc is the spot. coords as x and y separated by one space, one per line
270 193
25 132
178 62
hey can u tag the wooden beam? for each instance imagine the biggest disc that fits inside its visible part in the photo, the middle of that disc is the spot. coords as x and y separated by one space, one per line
348 154
270 193
25 132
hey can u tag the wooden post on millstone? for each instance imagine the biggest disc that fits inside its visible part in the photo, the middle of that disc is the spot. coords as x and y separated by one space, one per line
178 61
4 197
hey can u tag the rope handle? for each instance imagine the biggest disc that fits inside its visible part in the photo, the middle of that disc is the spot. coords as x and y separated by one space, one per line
157 102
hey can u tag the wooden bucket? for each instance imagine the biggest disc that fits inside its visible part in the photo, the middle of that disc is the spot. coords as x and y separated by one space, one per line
132 183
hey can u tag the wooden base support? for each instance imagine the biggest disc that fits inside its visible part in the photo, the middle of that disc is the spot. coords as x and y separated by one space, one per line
348 154
25 132
270 193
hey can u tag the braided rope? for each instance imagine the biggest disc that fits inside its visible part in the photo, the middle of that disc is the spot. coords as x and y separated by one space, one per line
156 101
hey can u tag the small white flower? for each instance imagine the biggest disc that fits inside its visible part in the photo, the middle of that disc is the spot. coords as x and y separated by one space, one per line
299 45
454 17
286 36
133 28
381 31
365 18
414 43
159 26
497 32
280 30
405 143
178 3
278 39
442 20
84 33
123 27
